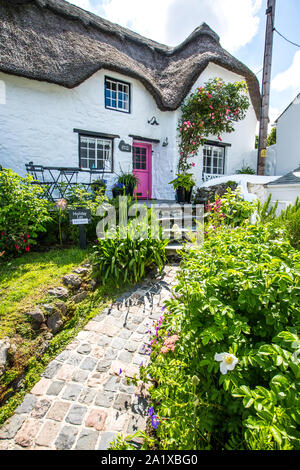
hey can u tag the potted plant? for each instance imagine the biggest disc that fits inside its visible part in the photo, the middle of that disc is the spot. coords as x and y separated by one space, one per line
118 189
129 181
183 184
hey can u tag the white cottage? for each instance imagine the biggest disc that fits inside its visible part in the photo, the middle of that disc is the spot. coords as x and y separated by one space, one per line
82 93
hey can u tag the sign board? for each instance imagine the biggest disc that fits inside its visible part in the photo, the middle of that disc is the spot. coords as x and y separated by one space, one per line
80 216
124 147
263 153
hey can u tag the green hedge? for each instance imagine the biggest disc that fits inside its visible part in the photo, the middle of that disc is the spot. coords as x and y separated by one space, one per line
23 213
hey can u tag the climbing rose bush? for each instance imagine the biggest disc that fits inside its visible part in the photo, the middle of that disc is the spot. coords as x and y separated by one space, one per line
210 110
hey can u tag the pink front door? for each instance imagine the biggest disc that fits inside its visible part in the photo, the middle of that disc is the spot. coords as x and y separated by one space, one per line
142 168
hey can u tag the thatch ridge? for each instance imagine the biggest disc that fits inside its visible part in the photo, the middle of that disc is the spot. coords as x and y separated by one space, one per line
56 42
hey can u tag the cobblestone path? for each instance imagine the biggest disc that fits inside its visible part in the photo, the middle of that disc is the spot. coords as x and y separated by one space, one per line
83 399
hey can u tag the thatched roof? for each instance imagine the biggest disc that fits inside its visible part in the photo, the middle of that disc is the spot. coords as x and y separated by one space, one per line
56 42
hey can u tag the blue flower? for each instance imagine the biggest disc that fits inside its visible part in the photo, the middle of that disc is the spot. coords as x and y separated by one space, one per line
154 421
151 411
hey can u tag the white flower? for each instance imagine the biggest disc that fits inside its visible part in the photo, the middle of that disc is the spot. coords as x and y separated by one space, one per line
176 231
228 361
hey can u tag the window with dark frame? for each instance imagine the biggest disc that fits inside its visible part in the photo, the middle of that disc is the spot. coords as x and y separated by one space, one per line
96 153
213 159
139 158
117 95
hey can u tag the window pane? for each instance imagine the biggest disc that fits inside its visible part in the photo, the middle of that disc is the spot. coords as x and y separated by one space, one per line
100 164
83 152
96 153
116 95
213 160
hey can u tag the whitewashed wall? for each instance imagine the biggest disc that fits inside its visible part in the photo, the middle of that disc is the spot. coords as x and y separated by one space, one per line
37 122
285 194
287 142
38 119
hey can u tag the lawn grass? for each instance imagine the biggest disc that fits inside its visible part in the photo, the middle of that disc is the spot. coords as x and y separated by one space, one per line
23 283
25 280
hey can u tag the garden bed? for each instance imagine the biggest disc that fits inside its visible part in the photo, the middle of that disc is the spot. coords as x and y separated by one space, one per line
230 337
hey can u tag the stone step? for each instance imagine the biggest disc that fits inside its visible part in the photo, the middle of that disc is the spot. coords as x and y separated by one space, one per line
179 217
180 229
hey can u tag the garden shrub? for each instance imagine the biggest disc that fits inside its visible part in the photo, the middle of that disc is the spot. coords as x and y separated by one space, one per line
266 212
59 226
23 213
230 209
246 170
293 229
237 294
128 252
290 220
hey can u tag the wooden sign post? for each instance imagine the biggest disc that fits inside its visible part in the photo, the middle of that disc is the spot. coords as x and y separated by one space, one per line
80 217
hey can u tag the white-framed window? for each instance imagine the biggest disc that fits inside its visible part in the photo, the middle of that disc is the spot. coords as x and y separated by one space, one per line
96 153
117 95
213 159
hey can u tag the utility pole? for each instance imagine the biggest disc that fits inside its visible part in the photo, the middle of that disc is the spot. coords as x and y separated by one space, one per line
266 81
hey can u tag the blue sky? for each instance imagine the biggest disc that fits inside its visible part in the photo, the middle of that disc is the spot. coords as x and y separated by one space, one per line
239 23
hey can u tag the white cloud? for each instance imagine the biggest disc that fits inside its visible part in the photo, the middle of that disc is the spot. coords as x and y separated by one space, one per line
290 78
273 115
235 21
144 17
171 21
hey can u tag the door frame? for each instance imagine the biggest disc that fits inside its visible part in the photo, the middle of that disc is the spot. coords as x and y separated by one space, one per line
148 145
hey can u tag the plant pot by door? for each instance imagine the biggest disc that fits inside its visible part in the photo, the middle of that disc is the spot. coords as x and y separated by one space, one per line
188 195
129 190
117 192
180 194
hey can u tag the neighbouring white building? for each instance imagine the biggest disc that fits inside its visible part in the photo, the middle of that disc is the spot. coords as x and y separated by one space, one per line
285 189
284 156
81 93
